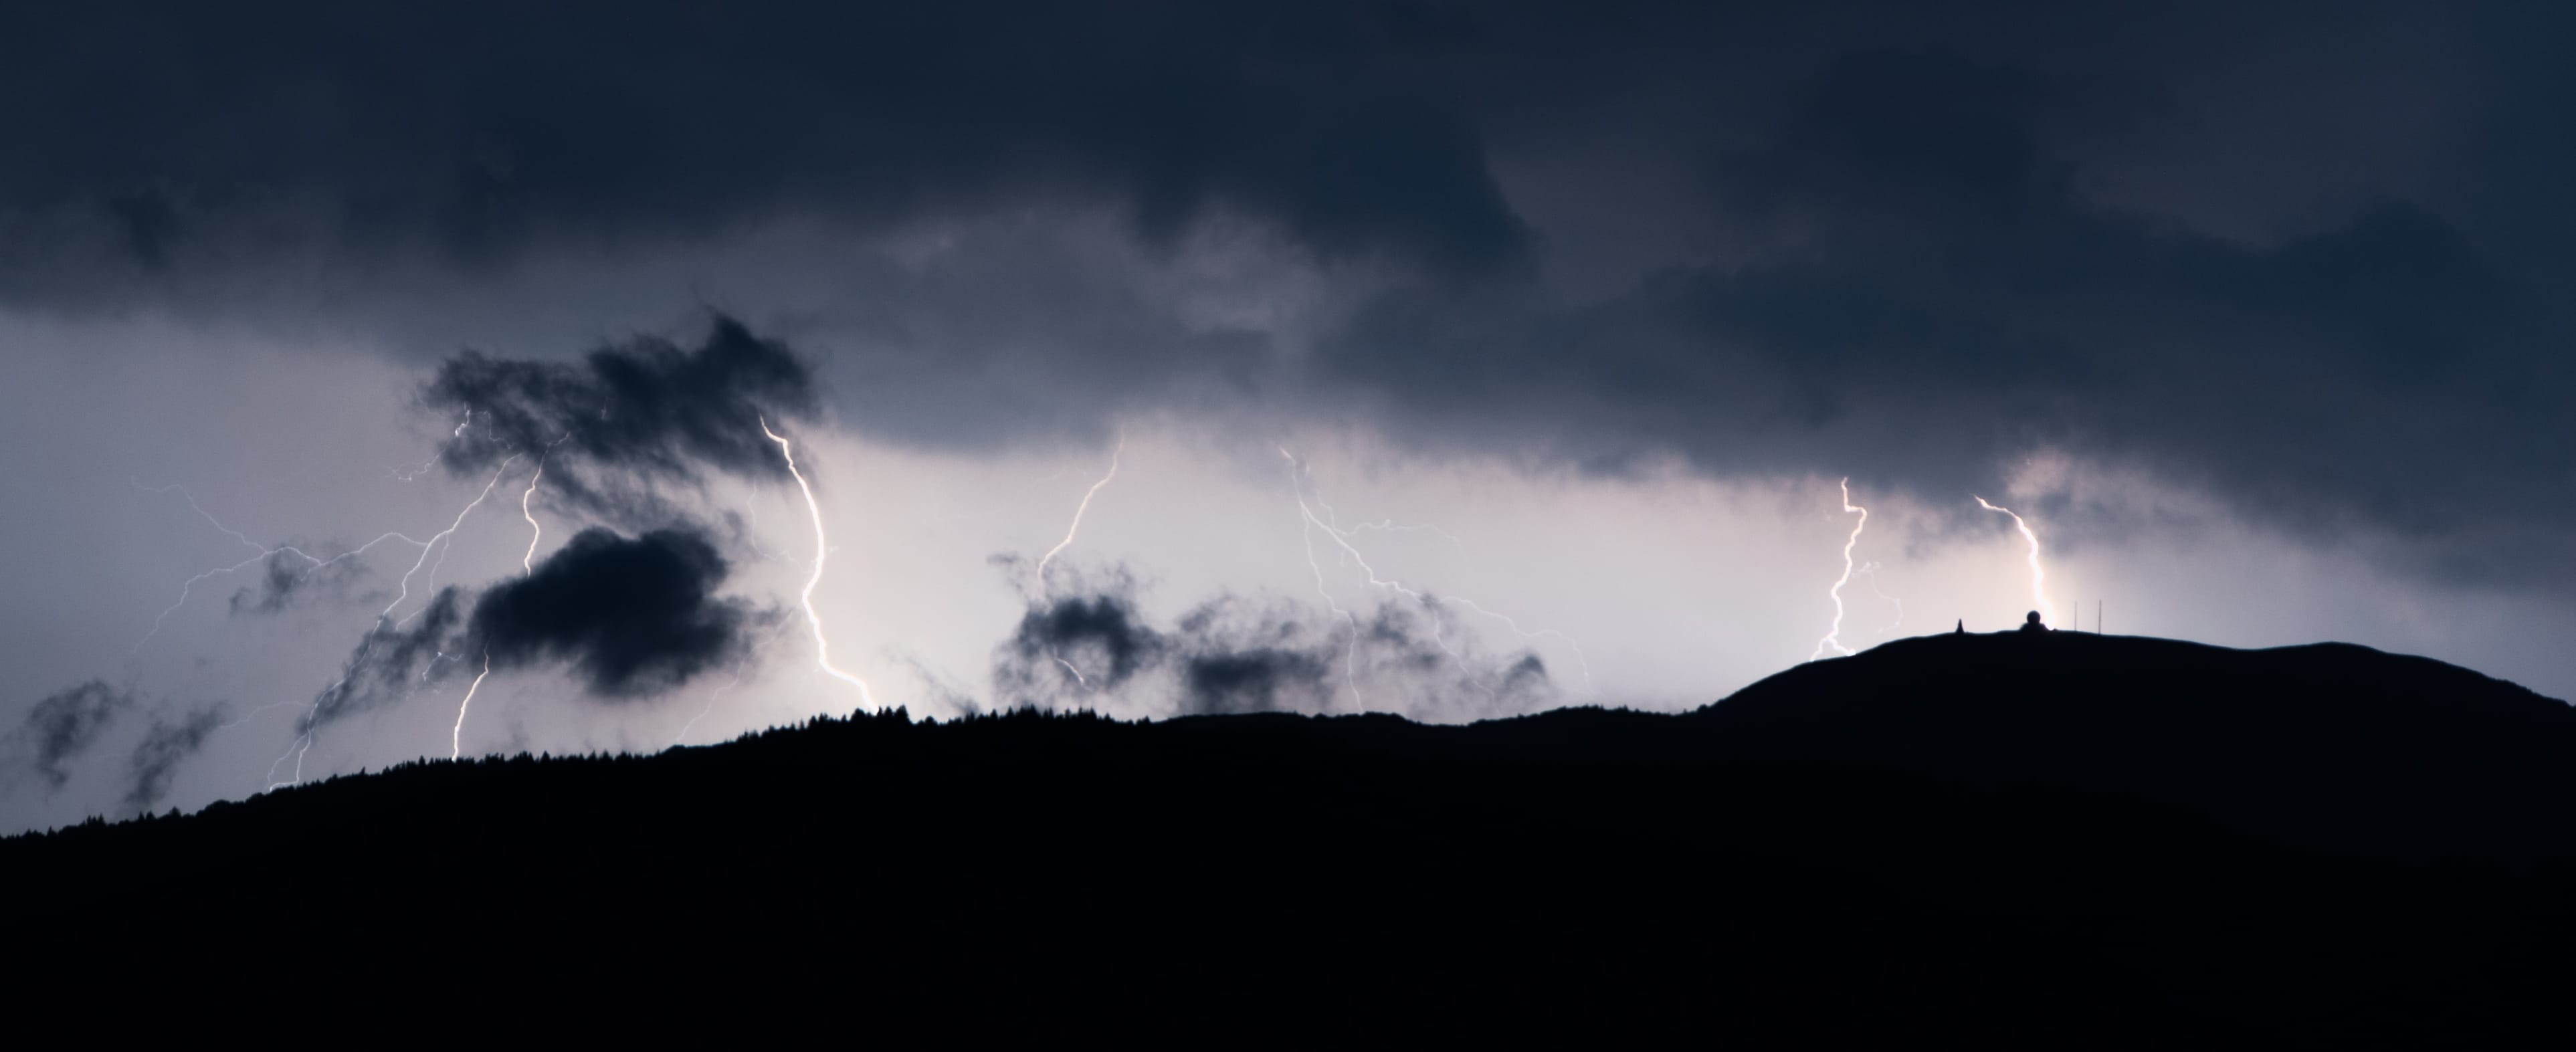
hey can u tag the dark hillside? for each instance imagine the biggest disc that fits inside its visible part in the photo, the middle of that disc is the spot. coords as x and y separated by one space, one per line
2329 745
2065 840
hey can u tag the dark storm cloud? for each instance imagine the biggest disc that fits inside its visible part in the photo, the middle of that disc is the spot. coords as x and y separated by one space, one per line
626 417
394 658
67 722
635 616
1937 294
1231 655
157 757
1263 680
174 134
2300 254
1105 625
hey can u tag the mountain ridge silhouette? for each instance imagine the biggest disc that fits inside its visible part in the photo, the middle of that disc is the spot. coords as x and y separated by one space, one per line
2036 839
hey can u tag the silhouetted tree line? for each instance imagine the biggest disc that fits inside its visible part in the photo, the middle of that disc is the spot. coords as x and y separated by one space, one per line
2065 840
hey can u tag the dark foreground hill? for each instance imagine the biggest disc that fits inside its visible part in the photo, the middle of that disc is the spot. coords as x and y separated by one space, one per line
2071 841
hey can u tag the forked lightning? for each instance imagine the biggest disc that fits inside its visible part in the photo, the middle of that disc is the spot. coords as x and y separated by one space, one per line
822 551
1833 636
2038 577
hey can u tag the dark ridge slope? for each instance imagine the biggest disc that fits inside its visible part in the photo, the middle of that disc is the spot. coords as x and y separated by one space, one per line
2328 745
2064 841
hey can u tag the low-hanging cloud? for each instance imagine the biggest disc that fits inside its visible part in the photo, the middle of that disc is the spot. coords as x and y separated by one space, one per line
1236 655
634 616
157 757
394 659
67 723
627 417
288 577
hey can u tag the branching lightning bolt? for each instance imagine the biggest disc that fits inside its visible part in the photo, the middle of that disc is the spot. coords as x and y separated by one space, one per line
303 743
1833 636
188 588
719 693
1306 532
202 513
712 698
2038 577
444 542
304 740
1328 523
822 550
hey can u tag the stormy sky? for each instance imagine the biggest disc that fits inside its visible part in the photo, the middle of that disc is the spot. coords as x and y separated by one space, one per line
1453 360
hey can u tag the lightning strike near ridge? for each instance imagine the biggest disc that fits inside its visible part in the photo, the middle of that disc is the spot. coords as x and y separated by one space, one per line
1833 636
822 550
2038 577
718 694
1581 660
1871 571
1329 524
303 743
1305 533
456 745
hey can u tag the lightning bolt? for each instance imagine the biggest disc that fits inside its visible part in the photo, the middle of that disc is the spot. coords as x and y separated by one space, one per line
1045 589
719 693
1068 666
1078 511
527 563
1871 570
1328 523
2038 577
1391 526
822 550
303 743
1581 660
444 542
408 474
1306 533
712 698
456 745
751 514
201 511
188 588
263 555
1833 636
